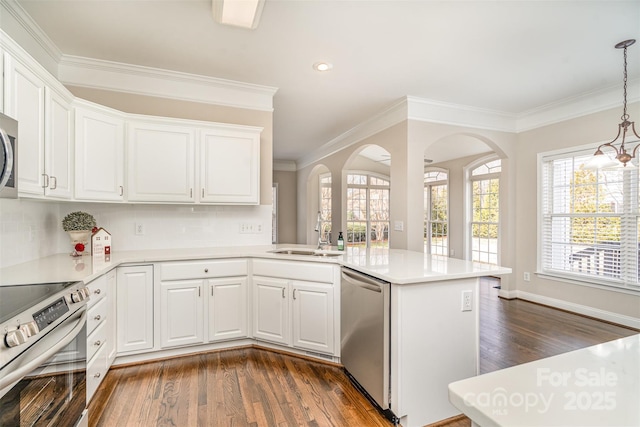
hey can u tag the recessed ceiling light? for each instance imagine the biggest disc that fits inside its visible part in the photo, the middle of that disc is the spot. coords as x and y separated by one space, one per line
322 66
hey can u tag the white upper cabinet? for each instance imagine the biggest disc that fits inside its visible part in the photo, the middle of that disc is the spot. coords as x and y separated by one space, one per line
160 162
42 107
99 160
58 145
24 101
230 166
163 165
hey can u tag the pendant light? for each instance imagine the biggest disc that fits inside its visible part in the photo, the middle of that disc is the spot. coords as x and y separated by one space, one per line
623 157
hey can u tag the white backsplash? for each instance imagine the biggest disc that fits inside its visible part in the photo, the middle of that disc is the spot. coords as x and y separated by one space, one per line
32 229
28 230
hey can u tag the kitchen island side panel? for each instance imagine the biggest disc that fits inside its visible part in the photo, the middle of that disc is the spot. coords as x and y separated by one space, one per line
433 343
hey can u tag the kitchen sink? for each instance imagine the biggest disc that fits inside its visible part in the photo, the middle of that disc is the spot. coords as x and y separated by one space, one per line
307 252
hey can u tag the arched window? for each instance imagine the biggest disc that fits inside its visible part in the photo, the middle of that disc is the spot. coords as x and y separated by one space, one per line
367 210
484 181
436 212
325 206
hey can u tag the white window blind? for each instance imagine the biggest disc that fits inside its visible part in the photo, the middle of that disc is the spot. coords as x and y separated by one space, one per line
589 221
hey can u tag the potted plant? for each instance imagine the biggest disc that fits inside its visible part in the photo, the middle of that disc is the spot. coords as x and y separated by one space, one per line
79 225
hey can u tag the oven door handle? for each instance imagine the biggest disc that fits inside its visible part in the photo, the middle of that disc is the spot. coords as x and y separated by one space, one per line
32 358
5 145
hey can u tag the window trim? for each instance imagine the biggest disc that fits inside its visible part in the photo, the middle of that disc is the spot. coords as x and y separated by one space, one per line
575 279
368 186
468 201
434 183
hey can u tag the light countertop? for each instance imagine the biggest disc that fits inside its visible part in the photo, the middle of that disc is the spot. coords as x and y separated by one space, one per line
394 265
594 386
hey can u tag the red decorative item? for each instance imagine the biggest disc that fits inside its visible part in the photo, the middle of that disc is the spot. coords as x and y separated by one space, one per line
79 247
94 229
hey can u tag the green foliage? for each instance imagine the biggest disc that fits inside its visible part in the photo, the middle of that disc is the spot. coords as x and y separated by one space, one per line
78 221
587 199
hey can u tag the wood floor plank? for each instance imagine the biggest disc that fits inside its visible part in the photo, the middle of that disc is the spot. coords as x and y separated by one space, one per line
259 388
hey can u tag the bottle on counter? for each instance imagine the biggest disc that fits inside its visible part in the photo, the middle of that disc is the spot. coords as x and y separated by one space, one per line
340 242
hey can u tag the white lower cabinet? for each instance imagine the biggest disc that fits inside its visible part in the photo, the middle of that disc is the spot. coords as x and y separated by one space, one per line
271 310
294 313
181 313
227 308
101 319
134 308
203 301
313 316
296 310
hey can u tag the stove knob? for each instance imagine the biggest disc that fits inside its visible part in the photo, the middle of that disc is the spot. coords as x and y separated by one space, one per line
15 338
86 292
76 297
30 328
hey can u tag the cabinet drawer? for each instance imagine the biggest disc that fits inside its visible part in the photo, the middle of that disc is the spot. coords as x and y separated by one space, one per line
311 271
96 315
96 371
203 269
96 340
97 290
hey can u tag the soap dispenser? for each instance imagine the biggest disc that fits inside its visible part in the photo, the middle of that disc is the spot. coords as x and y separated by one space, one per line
340 242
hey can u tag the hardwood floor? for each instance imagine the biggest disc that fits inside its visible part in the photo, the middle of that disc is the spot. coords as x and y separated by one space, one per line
242 387
254 387
513 332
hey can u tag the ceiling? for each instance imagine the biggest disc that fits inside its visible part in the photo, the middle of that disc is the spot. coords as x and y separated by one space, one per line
508 56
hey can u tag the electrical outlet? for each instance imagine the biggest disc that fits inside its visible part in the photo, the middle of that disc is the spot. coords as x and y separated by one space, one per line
527 276
139 229
467 300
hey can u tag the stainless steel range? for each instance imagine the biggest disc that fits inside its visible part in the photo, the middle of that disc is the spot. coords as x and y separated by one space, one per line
43 354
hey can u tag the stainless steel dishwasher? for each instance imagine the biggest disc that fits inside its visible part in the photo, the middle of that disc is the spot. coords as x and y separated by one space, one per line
365 350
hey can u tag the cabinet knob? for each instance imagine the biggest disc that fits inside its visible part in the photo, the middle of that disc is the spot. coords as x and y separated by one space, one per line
54 180
97 317
206 270
97 375
97 291
97 343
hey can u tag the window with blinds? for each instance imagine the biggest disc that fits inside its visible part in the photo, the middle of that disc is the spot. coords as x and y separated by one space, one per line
589 221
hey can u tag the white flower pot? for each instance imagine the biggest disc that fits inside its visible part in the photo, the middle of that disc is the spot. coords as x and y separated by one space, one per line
81 236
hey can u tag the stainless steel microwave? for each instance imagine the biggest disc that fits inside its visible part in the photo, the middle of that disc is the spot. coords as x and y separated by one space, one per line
8 157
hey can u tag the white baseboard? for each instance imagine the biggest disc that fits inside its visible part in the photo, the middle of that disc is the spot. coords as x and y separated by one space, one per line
620 319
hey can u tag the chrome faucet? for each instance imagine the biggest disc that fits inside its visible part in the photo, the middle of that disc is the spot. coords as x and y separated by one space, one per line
318 230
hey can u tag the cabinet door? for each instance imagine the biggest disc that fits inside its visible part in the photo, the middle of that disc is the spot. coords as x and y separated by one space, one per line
313 324
181 313
227 308
271 310
160 163
99 155
229 167
134 295
24 101
58 147
112 336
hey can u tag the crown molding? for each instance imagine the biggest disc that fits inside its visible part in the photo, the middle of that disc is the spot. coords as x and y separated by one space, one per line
141 80
284 165
32 28
578 106
428 110
392 115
